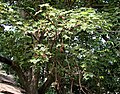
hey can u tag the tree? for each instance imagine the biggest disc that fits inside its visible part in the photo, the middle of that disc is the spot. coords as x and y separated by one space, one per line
69 48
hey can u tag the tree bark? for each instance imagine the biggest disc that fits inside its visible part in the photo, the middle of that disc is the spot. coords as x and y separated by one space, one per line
16 68
47 84
28 85
29 80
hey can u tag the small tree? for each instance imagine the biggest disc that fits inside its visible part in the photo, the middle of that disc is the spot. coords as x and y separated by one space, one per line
64 47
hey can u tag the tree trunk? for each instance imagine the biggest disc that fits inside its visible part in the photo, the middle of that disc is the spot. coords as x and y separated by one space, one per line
32 77
29 79
31 90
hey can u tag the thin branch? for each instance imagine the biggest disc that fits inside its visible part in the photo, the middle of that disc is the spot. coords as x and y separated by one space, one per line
80 76
71 87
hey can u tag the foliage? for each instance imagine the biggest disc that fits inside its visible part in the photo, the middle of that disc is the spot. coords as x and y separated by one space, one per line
75 46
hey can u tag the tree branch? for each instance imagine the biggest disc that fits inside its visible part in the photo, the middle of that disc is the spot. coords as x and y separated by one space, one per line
5 60
47 84
16 68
